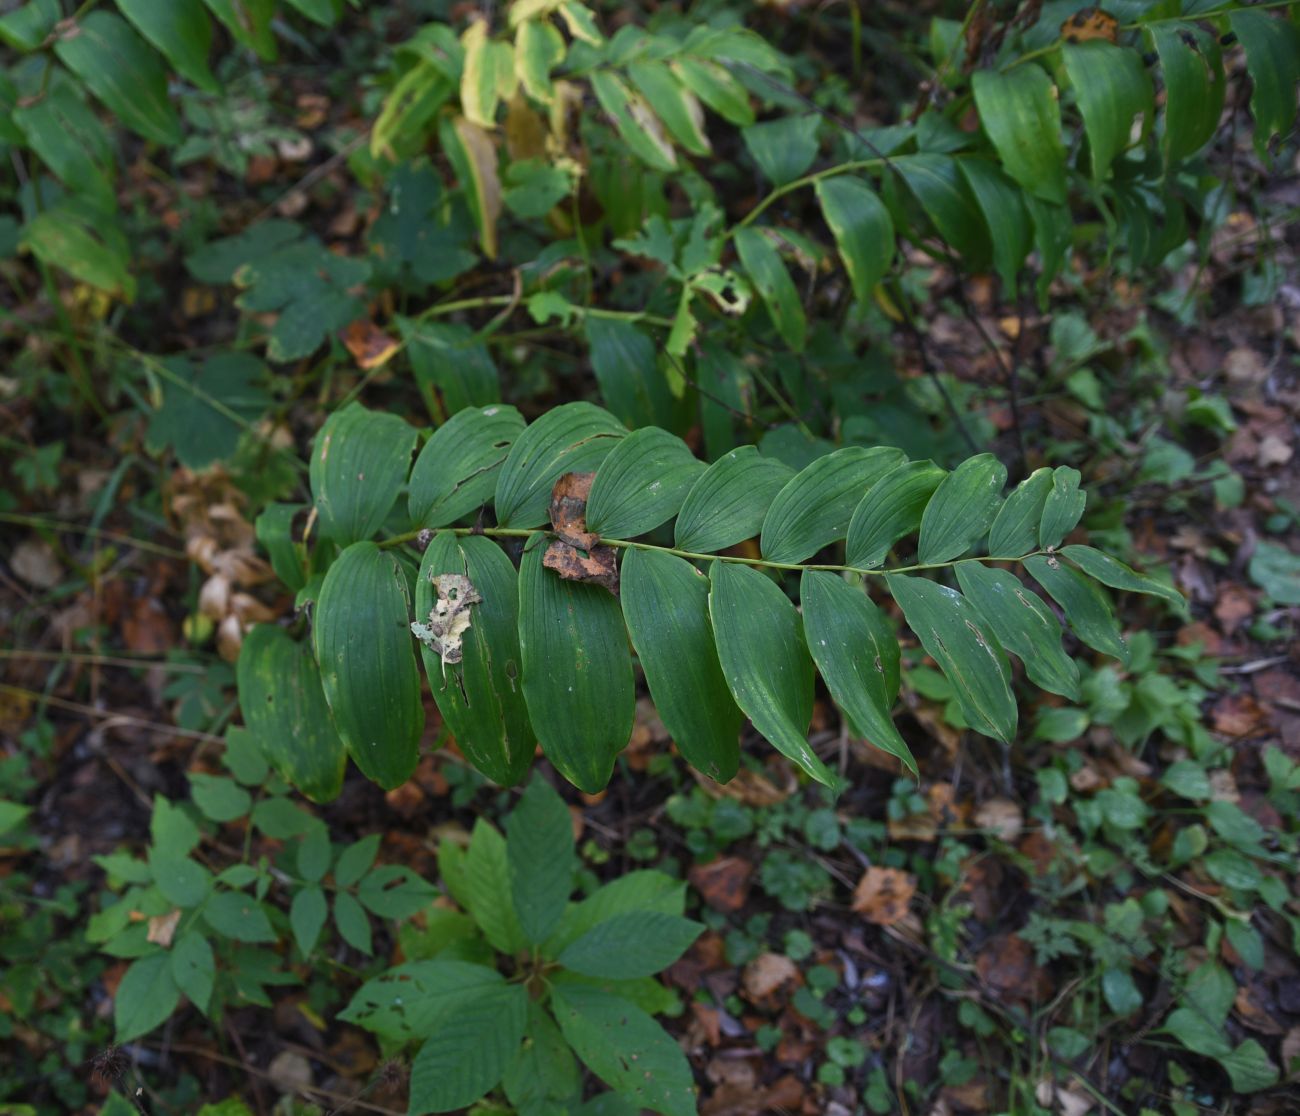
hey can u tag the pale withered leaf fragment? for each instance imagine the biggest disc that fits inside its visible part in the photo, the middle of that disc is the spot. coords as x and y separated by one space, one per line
449 619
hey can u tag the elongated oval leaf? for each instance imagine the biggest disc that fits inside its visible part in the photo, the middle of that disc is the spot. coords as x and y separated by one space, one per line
641 484
1020 112
891 509
1085 606
1063 507
816 506
947 201
1194 86
623 359
473 157
468 1050
961 641
1015 530
284 707
1002 203
1110 571
716 88
625 1048
728 503
573 438
181 30
123 72
540 854
480 697
1023 624
456 472
358 465
673 103
539 48
1273 59
639 128
764 659
577 671
666 607
1112 88
630 945
857 654
363 645
146 996
763 263
961 509
863 229
249 23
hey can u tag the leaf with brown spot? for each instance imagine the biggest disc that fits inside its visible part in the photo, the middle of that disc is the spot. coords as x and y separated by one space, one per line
569 509
449 619
1090 23
883 894
369 345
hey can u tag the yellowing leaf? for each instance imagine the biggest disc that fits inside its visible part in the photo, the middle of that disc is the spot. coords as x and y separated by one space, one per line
474 158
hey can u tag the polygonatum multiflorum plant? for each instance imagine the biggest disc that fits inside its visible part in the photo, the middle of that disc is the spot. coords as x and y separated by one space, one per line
555 553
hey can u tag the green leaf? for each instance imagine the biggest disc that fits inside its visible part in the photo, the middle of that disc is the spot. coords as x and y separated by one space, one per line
352 923
453 367
123 72
639 128
1273 59
637 891
1110 571
394 891
539 48
487 888
715 86
625 1048
666 608
281 819
1194 86
764 659
763 264
283 702
325 13
473 157
66 238
641 484
1249 1068
1112 88
1187 779
962 509
479 696
635 944
1021 114
534 188
274 530
355 861
814 509
456 472
1197 1033
368 672
219 798
1023 624
181 880
577 671
1276 570
857 653
1121 993
468 1049
729 502
1085 606
543 1078
959 639
194 968
623 359
409 1001
571 438
238 916
67 136
783 149
359 463
189 422
1015 530
307 914
249 23
1002 203
1063 507
673 103
540 854
947 201
892 509
181 31
27 26
863 230
145 998
170 828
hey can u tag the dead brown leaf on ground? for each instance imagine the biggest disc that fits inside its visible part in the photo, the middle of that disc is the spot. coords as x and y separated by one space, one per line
724 883
369 345
1006 967
883 894
767 974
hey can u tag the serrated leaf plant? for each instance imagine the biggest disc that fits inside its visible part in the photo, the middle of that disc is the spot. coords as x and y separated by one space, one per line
528 629
523 983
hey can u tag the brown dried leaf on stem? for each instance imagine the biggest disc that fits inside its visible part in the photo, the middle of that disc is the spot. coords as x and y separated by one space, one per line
576 554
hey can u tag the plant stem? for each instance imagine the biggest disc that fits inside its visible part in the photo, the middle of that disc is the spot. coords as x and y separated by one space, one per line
692 555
